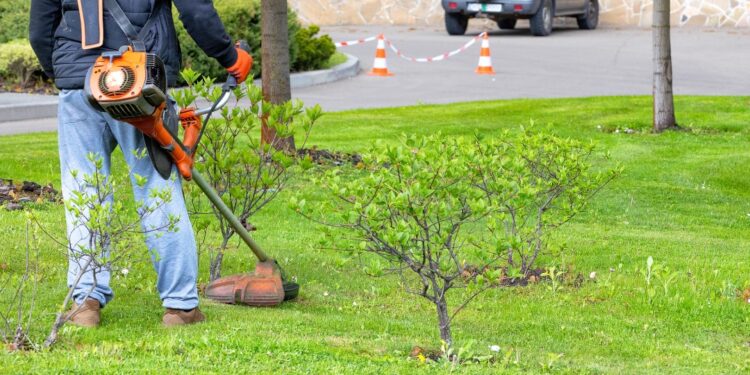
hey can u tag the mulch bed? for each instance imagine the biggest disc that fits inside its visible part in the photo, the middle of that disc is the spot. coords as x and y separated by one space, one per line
327 157
33 87
532 277
13 195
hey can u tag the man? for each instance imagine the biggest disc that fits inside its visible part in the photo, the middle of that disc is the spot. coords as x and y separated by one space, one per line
67 36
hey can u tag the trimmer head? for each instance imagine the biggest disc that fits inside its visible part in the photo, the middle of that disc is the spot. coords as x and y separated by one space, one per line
262 288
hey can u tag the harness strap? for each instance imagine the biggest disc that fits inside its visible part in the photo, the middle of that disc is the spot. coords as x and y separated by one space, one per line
92 23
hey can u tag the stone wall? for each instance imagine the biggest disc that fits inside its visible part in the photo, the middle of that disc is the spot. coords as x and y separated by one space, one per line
710 13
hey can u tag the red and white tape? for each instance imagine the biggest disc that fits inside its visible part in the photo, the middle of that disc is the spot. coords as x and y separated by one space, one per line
414 59
355 42
437 57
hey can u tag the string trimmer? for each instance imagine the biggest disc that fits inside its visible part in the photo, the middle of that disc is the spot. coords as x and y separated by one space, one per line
131 86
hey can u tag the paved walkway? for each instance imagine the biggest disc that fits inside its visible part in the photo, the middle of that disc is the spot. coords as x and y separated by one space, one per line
570 63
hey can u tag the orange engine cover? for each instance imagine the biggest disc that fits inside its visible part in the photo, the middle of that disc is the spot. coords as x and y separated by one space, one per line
127 84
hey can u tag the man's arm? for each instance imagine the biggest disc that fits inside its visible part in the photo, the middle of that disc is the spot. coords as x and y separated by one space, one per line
204 25
45 17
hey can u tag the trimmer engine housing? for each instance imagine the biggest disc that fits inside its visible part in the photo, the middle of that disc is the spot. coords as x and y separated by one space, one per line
127 84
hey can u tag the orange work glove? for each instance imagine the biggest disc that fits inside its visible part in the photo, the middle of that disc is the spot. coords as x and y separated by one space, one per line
241 68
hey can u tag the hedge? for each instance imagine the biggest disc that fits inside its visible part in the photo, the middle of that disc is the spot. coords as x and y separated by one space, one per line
14 20
242 21
18 62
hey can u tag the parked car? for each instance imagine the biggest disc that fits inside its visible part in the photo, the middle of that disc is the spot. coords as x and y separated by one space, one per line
507 12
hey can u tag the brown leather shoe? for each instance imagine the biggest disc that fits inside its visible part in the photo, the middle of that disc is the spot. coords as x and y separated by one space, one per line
89 314
180 317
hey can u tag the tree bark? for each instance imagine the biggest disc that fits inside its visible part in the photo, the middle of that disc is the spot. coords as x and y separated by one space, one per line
275 64
444 320
664 117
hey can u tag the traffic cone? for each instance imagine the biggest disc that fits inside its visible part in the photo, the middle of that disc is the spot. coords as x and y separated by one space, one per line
380 66
485 61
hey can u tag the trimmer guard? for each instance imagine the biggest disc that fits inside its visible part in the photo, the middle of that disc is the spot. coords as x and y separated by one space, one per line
264 287
160 158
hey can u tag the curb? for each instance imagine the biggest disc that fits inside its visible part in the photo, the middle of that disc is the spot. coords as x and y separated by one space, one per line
45 106
36 107
345 70
348 69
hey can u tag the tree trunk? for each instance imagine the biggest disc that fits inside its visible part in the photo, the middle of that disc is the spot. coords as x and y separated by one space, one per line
444 320
664 117
276 64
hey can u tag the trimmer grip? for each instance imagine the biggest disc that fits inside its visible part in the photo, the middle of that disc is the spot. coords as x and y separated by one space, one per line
153 127
191 123
243 45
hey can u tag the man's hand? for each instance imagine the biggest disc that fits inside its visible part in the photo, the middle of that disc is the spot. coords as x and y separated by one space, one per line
241 68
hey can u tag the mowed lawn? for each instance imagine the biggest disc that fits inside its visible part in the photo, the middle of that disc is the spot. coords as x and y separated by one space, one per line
684 199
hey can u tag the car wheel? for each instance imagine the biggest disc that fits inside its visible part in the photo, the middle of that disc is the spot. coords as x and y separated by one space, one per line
541 22
507 23
456 23
590 20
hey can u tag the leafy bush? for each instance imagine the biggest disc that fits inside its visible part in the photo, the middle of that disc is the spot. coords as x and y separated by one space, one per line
314 52
411 210
18 61
242 21
246 173
14 20
539 183
440 211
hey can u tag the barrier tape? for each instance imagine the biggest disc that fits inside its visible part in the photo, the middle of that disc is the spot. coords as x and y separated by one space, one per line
414 59
434 58
355 42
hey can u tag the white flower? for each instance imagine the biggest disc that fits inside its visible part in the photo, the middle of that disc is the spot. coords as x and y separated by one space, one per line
325 294
124 271
495 348
592 275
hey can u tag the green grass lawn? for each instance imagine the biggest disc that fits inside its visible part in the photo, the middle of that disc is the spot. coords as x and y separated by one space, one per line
684 198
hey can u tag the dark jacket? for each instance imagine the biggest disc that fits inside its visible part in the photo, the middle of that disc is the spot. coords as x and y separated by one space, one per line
55 35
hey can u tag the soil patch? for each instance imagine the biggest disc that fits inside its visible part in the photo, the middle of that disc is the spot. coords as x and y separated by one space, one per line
14 195
327 157
532 277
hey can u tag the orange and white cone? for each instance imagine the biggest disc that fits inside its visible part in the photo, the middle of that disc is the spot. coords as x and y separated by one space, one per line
380 66
485 61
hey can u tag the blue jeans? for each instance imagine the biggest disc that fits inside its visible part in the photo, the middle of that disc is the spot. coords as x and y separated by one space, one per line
83 130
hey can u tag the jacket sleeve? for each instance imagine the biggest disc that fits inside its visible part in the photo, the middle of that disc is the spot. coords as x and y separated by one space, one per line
205 27
44 19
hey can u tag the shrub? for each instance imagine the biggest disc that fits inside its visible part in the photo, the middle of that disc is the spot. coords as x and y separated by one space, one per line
439 210
14 20
411 210
18 61
314 52
242 21
539 183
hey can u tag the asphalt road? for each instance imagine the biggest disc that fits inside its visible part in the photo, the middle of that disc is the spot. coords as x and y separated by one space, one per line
570 63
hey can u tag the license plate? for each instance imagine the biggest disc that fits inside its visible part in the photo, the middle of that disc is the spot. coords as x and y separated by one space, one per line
485 8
